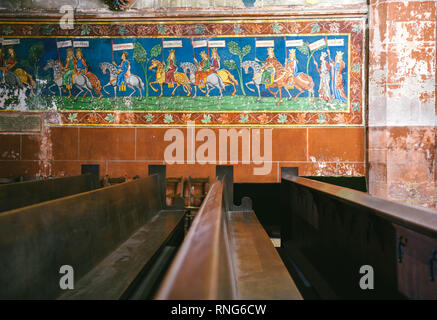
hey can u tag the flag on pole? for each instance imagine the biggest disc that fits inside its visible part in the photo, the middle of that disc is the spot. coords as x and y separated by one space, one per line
172 44
200 43
318 44
64 44
9 42
81 44
217 43
122 46
335 42
264 43
294 43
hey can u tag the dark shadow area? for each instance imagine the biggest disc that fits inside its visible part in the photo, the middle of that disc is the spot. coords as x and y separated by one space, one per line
266 203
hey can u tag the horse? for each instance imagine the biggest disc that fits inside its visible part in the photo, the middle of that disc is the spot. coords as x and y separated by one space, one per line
133 81
179 77
284 79
228 79
19 79
80 81
256 80
213 80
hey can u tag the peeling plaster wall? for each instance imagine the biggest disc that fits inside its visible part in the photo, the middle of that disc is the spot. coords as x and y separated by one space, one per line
402 105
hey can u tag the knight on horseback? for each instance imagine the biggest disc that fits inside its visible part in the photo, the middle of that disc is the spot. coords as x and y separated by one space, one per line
269 69
215 60
2 64
68 69
291 66
123 71
203 70
170 69
82 68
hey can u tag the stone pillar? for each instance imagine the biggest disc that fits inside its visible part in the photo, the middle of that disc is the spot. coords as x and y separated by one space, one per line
402 105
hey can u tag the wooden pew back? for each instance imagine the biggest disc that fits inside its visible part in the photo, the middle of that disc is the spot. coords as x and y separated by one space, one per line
21 194
78 230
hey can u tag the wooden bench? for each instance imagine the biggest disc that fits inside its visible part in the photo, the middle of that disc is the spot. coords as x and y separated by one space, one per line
226 255
111 237
330 232
21 194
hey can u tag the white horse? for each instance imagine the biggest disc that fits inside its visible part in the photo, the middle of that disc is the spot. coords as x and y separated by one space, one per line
133 81
212 81
256 79
81 81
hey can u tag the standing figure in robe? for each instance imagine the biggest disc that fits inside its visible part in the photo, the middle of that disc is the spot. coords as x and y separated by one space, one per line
68 68
325 78
170 69
123 71
338 66
203 67
82 68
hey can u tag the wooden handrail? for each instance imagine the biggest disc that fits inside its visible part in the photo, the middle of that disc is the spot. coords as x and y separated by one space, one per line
202 268
418 219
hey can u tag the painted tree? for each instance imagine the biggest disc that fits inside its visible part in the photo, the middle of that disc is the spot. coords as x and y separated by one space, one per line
305 50
235 49
36 52
141 57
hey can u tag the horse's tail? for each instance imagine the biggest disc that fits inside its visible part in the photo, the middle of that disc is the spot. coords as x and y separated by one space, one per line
141 83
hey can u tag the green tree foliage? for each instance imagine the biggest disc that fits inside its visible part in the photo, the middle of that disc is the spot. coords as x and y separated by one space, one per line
141 57
305 50
235 49
231 65
36 52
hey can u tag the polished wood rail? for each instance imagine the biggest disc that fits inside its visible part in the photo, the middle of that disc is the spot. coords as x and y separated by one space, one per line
330 232
226 255
21 194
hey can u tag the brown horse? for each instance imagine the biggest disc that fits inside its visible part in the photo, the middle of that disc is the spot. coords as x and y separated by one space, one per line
284 79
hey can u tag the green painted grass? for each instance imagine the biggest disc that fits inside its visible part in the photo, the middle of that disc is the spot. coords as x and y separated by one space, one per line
201 103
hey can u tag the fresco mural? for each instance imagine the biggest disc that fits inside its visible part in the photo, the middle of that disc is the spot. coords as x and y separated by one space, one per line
216 73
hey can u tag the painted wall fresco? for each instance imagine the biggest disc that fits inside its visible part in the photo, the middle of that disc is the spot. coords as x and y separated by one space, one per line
215 73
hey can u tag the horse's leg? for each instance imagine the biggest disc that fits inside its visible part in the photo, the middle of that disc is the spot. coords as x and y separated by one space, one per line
300 92
80 92
177 86
141 93
195 92
103 88
153 88
247 86
162 91
60 92
115 92
50 88
259 92
289 94
273 93
133 88
280 96
235 89
207 90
